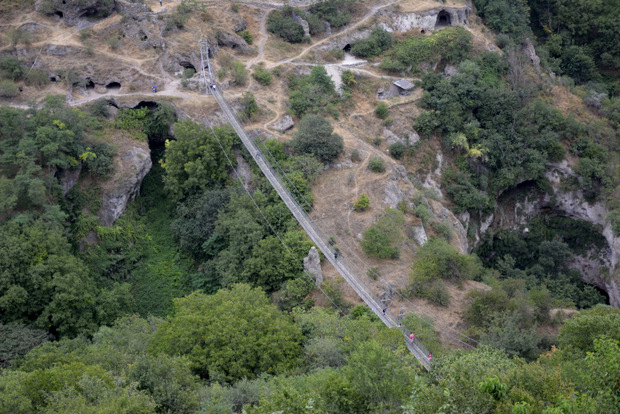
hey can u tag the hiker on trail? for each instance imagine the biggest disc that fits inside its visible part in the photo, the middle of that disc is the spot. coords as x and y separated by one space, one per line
411 337
154 88
161 3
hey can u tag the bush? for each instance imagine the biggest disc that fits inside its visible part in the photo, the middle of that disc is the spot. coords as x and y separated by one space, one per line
438 293
361 203
614 218
381 110
373 273
444 230
240 73
381 239
37 78
247 36
438 260
378 42
114 42
8 89
397 150
11 68
376 165
423 213
188 73
281 23
315 136
355 156
102 163
262 75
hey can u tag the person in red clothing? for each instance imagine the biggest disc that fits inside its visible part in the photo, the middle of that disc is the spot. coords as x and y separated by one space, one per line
430 357
411 337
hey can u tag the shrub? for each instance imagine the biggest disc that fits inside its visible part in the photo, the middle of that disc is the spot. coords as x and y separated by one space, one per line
281 23
376 141
37 78
397 150
373 273
361 203
188 73
381 239
438 293
100 108
614 218
444 230
11 68
114 42
438 260
423 213
315 136
8 89
247 36
240 73
378 42
262 75
376 165
355 156
381 110
102 164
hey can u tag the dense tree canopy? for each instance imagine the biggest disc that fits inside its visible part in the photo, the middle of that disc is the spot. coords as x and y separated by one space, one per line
231 335
316 137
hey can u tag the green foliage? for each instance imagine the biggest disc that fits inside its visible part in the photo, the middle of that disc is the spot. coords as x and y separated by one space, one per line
250 107
336 12
314 93
436 259
315 136
101 165
8 89
378 42
355 156
381 110
376 164
194 161
361 203
11 68
247 36
451 45
614 218
505 16
262 75
37 78
382 238
17 341
422 212
203 327
397 150
17 36
281 23
240 73
580 332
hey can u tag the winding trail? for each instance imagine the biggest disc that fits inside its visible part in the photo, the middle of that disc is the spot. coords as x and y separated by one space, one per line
263 38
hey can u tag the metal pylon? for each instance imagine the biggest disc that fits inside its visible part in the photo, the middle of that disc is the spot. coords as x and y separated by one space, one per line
204 58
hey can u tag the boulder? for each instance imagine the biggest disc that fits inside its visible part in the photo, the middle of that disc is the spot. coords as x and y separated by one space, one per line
68 179
312 265
131 164
232 41
530 52
417 234
284 123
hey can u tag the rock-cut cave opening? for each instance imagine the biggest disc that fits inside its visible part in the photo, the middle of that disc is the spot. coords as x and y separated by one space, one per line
59 14
113 86
443 19
347 48
187 65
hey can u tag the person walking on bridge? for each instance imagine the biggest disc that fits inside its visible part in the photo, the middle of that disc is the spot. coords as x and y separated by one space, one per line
412 336
161 4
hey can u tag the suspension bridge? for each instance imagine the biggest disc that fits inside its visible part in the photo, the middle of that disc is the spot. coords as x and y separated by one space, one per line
314 232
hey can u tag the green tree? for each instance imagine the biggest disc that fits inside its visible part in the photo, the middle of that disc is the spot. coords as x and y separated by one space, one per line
194 161
361 203
315 136
581 330
204 327
381 110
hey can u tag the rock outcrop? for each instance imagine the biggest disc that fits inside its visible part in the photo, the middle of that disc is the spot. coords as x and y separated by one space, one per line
282 124
72 11
603 270
312 265
232 41
394 21
131 164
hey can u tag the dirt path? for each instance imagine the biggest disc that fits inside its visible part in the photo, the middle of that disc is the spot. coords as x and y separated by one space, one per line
263 38
367 16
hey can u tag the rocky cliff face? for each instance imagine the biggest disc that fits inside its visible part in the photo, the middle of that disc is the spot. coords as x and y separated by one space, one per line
131 164
598 268
426 20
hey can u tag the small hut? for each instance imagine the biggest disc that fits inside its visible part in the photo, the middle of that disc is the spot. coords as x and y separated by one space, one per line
404 86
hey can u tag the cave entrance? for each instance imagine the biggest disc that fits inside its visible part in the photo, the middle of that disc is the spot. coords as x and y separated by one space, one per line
347 48
89 85
53 79
113 86
187 65
59 14
150 105
92 13
602 292
443 19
